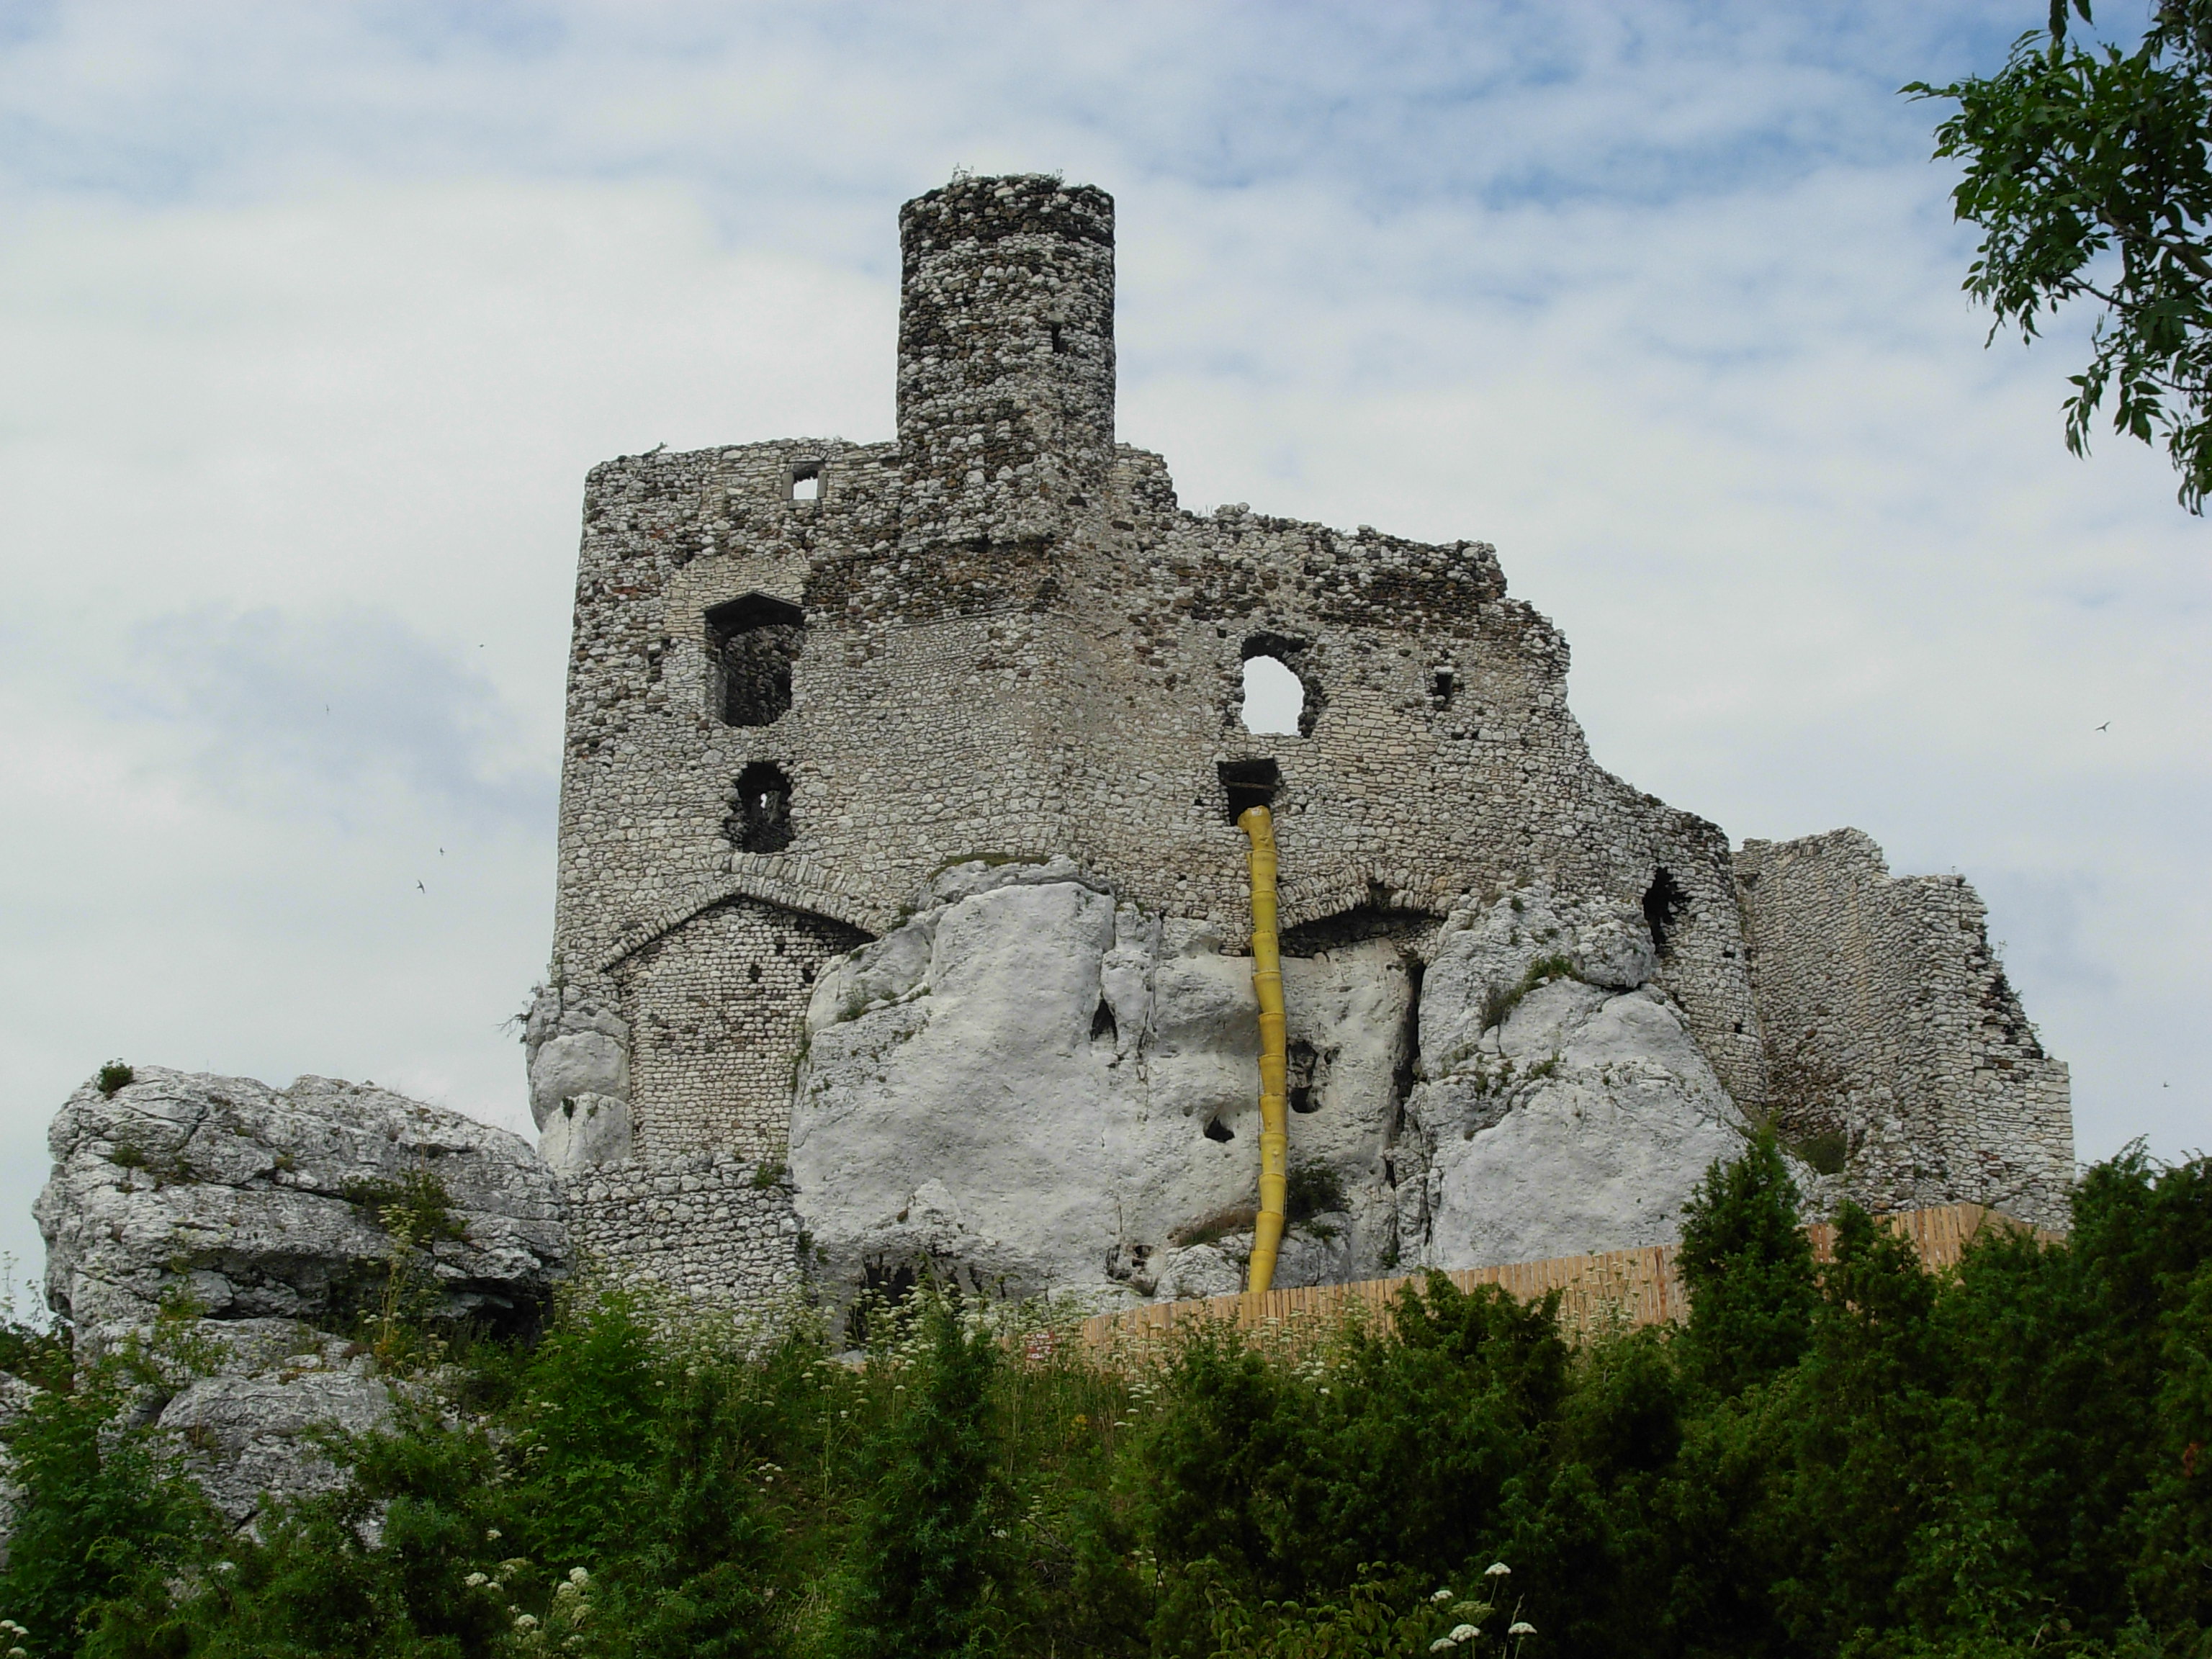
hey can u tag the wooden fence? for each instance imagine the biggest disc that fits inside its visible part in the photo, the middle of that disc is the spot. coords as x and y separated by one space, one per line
1620 1288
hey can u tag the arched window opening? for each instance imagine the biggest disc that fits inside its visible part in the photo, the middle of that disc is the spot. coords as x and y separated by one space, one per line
760 815
806 481
1275 697
751 644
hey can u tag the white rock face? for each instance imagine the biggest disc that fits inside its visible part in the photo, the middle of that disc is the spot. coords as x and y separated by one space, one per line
585 1131
256 1425
247 1199
575 1046
262 1206
1038 1090
1563 1108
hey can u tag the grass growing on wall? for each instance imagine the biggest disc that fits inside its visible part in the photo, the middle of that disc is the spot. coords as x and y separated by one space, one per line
1855 1459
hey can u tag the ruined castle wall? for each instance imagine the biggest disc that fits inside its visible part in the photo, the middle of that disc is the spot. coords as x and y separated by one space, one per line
1016 643
1890 1023
1022 702
716 1009
706 1232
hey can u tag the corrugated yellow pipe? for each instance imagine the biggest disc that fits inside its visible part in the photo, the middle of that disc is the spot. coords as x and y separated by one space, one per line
1258 824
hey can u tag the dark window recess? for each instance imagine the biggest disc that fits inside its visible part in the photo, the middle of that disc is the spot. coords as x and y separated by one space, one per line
1102 1027
1250 783
1216 1130
884 1287
760 816
751 644
1442 684
1663 900
1305 1062
1059 340
806 482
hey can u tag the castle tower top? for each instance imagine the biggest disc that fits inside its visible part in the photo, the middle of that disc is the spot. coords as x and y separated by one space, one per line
1005 367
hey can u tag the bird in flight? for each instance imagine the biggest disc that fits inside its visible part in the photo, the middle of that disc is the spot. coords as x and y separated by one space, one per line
420 888
2107 726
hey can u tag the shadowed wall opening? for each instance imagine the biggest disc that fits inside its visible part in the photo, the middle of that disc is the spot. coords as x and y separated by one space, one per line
760 817
1248 783
751 644
1663 900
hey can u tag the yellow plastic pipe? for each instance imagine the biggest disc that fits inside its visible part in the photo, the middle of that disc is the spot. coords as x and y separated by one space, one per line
1259 825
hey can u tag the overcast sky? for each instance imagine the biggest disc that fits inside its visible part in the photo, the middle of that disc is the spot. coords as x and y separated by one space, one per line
311 318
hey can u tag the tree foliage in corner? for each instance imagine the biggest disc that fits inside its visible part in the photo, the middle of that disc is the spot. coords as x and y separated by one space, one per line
2090 171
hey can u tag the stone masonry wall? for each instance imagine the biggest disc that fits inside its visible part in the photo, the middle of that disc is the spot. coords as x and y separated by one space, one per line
715 1011
708 1231
1889 1022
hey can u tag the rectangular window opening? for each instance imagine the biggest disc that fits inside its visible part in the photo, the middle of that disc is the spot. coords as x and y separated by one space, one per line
1248 783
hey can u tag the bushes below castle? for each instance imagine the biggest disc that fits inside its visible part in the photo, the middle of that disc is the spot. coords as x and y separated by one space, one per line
1857 1459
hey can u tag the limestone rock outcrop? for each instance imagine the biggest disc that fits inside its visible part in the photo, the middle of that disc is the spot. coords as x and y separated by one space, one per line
1564 1105
247 1406
216 1225
255 1202
1036 1088
1029 1087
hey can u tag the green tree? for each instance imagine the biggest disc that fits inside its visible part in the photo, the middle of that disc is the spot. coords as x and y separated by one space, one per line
97 1509
1748 1267
2090 171
923 1565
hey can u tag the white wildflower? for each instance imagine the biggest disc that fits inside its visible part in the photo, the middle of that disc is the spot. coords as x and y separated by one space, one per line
579 1577
1464 1632
1496 1569
491 1532
1441 1595
525 1621
1522 1627
18 1653
1441 1645
476 1581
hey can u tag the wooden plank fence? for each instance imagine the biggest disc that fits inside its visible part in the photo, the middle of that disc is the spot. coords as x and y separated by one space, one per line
1616 1288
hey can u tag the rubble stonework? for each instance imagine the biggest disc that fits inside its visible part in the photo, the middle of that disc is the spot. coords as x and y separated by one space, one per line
1006 639
1890 1025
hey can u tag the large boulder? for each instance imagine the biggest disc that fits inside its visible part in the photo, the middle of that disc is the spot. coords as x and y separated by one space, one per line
249 1406
219 1230
247 1202
1564 1107
1029 1087
1032 1088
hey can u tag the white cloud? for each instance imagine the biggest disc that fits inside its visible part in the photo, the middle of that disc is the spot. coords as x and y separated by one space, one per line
313 317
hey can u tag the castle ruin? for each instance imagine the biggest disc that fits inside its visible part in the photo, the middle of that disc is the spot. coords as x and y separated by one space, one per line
863 737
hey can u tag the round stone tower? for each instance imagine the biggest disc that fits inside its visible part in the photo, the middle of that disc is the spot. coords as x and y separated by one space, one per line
1006 355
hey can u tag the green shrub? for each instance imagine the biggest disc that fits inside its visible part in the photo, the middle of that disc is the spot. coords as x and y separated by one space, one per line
1859 1461
114 1075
